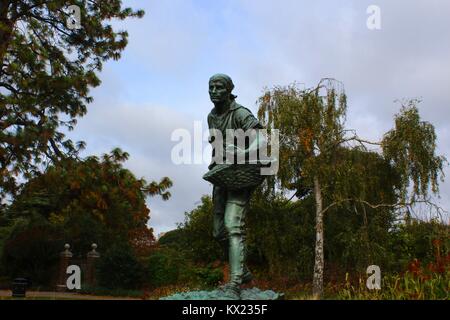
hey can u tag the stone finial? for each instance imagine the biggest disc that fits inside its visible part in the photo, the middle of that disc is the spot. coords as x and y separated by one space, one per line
66 252
93 253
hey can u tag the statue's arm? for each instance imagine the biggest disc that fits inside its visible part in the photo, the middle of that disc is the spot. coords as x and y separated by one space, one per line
258 142
247 121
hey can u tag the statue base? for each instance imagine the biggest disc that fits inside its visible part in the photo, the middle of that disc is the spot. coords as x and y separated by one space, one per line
246 294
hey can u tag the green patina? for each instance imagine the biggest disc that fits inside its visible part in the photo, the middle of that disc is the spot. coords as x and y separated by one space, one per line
231 200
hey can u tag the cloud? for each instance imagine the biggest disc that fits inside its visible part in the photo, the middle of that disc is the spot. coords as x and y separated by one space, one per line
306 41
160 83
145 132
170 37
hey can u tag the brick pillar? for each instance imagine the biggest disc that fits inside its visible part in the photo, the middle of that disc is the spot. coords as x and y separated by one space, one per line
64 261
92 258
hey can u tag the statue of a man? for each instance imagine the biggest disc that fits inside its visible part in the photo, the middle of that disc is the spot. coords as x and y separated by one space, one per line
230 206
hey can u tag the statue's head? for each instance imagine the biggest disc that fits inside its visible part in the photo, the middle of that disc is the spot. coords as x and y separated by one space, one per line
220 88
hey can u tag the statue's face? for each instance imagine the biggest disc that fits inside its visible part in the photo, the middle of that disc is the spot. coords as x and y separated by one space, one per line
218 92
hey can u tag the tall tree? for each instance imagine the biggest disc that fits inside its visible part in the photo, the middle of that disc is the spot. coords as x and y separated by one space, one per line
312 133
47 68
411 147
92 200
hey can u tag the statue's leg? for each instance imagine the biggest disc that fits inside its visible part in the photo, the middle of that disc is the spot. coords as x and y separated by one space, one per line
219 199
235 210
219 231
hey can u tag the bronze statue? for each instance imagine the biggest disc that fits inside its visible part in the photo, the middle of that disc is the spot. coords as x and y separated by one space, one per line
234 181
230 202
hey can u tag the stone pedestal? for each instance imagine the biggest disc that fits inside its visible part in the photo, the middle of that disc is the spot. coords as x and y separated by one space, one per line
64 262
246 294
92 258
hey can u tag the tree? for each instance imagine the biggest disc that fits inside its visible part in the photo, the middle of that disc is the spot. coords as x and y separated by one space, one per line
47 69
119 268
411 147
312 133
280 233
92 201
197 229
31 250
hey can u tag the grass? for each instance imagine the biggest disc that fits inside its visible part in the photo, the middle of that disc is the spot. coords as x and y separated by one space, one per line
407 286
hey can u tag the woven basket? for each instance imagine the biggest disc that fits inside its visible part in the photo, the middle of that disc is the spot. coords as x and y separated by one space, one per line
236 176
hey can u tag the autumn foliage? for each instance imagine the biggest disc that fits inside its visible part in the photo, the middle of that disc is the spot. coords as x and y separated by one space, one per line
93 200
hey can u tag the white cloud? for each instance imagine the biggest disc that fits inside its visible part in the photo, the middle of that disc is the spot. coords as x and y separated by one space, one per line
145 132
179 44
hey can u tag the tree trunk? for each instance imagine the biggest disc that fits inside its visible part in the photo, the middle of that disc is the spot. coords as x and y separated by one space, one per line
318 260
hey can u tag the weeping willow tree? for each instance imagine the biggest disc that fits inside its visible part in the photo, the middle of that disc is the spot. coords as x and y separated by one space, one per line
312 134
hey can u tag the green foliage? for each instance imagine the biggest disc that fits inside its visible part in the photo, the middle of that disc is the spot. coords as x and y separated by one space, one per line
47 70
173 239
313 139
92 200
281 233
314 155
78 202
280 237
32 250
164 267
5 231
311 124
418 240
119 268
208 276
361 175
197 228
411 147
357 233
169 266
400 287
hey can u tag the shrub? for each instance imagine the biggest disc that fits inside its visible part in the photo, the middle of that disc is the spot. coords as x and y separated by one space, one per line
208 276
32 252
165 267
168 267
119 268
419 282
400 287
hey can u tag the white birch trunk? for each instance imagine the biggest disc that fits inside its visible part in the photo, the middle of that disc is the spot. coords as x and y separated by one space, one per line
318 260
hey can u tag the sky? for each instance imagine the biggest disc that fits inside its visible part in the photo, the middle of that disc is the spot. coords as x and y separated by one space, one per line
161 82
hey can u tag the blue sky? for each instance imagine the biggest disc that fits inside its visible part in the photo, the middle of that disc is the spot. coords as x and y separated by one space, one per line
160 83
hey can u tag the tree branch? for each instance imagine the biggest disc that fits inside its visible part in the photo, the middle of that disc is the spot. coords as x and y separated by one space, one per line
56 149
387 205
